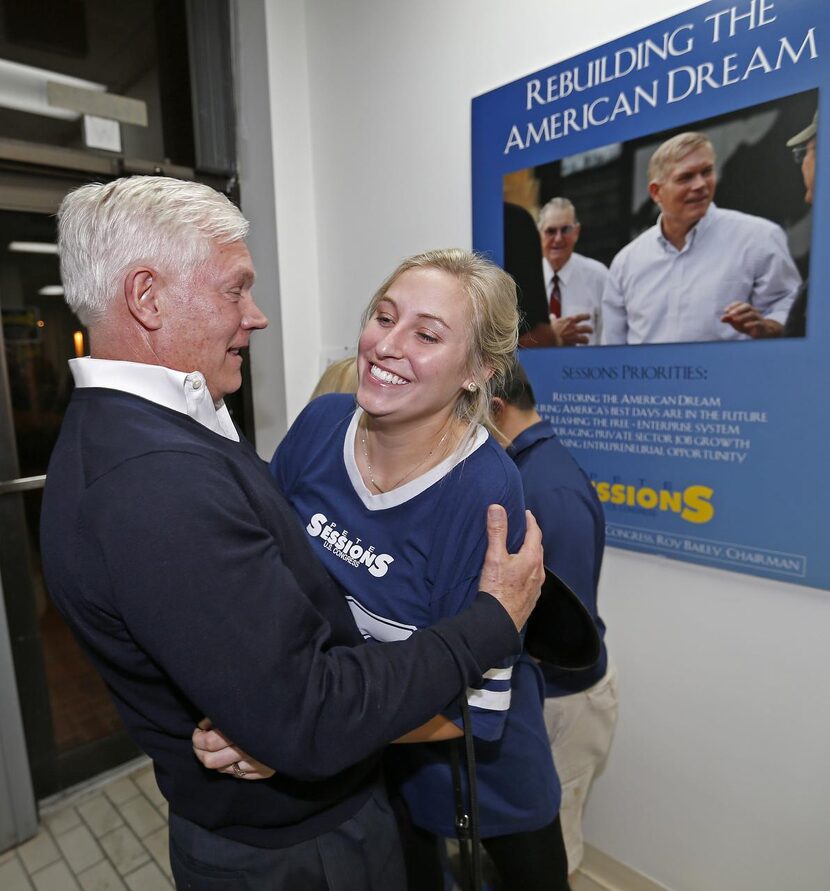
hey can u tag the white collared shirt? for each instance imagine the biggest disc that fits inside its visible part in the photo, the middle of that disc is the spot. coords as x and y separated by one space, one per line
581 283
181 392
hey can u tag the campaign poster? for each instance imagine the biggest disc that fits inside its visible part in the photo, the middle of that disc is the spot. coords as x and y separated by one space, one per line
660 202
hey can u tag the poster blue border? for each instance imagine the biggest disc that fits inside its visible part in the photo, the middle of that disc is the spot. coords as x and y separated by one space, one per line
767 509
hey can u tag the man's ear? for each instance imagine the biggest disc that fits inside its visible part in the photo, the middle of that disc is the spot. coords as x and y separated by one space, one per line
141 293
496 406
654 191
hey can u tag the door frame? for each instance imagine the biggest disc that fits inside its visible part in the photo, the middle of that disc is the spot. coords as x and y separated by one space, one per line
18 811
33 179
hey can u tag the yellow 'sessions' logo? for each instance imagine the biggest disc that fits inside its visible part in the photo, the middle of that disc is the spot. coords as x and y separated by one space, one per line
694 503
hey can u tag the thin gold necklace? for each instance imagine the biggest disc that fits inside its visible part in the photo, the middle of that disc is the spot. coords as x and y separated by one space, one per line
409 473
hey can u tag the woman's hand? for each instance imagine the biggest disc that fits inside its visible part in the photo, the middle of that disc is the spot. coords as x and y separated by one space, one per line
217 752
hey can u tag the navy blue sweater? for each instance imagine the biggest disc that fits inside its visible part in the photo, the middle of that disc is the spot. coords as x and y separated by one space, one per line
191 584
570 516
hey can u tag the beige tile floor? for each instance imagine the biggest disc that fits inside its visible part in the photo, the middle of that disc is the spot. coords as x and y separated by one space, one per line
112 837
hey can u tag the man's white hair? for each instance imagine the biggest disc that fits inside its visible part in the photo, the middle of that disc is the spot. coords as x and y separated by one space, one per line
105 228
555 205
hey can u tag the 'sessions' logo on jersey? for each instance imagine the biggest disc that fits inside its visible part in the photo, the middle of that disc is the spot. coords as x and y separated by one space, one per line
352 551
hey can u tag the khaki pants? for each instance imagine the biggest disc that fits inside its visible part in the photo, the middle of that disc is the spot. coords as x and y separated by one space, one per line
580 729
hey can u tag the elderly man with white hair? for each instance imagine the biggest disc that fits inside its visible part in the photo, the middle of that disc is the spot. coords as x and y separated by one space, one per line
574 283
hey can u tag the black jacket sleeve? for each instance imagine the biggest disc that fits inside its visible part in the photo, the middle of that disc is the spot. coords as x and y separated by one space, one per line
247 628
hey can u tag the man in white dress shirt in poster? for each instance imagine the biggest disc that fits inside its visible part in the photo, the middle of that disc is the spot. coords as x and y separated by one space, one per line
573 283
701 273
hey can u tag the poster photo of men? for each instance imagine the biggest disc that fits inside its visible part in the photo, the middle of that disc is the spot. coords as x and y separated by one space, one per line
696 234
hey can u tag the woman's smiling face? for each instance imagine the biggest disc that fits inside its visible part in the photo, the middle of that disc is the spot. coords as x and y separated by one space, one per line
412 354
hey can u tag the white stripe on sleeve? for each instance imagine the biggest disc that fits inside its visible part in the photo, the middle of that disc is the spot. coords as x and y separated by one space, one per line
499 674
494 700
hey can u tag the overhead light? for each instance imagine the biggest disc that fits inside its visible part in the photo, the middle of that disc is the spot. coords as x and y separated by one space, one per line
24 88
33 247
51 291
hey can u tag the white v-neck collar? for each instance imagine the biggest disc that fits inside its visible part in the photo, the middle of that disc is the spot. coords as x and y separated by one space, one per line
403 493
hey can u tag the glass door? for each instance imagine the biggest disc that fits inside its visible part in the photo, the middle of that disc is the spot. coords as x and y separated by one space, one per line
93 91
71 726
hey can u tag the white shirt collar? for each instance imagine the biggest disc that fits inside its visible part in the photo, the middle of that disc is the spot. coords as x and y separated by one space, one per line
186 393
693 234
547 269
564 273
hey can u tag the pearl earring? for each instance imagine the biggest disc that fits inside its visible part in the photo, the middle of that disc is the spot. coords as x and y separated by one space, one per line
472 386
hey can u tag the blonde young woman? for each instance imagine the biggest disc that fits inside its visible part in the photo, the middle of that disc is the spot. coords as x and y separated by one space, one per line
393 495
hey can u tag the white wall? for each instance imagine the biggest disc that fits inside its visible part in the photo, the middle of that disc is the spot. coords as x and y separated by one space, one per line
257 186
717 778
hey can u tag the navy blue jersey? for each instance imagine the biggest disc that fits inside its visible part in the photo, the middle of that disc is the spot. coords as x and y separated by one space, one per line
406 559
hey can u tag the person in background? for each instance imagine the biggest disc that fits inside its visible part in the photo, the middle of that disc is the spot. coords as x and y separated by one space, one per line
573 283
390 494
522 259
580 706
183 571
339 377
804 146
701 273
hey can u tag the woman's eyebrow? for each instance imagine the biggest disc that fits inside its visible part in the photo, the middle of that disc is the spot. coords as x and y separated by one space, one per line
434 318
420 315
